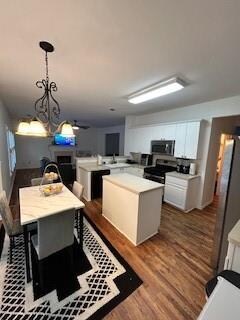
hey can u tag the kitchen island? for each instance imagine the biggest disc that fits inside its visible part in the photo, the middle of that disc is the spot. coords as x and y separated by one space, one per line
132 205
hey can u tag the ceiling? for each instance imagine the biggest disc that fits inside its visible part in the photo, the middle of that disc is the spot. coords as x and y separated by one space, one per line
108 49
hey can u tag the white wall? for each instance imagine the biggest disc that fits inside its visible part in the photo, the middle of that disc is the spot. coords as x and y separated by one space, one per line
30 150
7 179
205 111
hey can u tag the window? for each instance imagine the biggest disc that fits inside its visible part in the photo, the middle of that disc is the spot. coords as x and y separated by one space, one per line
11 151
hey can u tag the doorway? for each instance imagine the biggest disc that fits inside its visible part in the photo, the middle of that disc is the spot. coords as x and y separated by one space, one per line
223 140
112 144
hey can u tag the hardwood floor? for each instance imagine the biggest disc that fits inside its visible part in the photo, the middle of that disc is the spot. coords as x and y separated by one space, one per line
174 264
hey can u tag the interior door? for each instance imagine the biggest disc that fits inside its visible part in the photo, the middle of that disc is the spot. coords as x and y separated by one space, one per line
112 144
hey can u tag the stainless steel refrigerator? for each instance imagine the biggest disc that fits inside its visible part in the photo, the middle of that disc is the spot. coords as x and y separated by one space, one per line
229 202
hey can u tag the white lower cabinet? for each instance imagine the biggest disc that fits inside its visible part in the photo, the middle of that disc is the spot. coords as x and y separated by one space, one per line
232 261
131 170
181 191
135 171
175 195
117 170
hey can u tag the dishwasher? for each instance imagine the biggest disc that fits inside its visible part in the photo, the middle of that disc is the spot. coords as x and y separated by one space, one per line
97 183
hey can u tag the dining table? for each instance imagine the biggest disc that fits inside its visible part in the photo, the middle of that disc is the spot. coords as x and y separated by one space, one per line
34 205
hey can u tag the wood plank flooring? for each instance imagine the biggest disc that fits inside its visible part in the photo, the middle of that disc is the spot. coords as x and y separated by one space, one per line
174 265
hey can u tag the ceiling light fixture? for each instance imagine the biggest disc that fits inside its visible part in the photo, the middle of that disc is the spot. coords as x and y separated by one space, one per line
157 90
46 122
75 125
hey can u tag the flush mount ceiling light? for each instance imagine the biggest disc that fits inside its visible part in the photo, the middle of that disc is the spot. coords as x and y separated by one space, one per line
157 90
46 121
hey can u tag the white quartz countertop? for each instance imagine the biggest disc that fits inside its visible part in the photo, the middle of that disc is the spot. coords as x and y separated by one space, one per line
234 234
132 183
94 167
182 175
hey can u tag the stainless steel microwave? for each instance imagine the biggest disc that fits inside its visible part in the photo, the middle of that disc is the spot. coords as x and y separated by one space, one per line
165 147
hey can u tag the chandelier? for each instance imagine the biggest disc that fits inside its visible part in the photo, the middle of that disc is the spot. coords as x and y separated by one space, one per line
46 121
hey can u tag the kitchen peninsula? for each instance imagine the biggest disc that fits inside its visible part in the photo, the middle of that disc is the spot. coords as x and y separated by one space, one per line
89 173
133 205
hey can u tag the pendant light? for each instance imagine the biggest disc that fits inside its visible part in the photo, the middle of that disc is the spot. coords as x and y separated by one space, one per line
47 109
23 128
66 129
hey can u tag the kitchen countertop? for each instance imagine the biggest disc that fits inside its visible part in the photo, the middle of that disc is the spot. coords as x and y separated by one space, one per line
133 183
234 234
182 175
94 167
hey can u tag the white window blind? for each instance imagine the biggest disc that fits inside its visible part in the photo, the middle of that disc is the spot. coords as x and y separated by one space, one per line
11 150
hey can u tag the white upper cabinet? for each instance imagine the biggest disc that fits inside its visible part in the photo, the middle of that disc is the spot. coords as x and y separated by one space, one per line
186 141
185 134
139 139
192 137
180 140
162 132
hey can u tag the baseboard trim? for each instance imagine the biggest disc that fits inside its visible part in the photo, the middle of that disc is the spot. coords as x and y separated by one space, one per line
205 205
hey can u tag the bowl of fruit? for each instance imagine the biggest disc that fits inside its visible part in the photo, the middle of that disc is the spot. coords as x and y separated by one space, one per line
51 176
50 189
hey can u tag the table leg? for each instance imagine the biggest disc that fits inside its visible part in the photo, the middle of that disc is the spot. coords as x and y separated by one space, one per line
25 235
81 228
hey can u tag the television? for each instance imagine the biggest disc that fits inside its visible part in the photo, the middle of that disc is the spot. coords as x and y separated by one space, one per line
63 140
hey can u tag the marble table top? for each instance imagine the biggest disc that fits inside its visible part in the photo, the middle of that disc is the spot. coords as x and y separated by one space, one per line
34 205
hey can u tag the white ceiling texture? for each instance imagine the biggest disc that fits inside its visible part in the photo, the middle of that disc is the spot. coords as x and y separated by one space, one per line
107 49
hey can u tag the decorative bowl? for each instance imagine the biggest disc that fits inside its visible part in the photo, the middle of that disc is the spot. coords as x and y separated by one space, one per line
51 189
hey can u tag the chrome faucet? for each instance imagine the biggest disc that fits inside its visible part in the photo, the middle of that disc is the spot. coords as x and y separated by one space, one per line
113 158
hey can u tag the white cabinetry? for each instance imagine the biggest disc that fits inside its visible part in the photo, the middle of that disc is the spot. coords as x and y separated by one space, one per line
133 205
117 170
185 134
135 171
131 170
139 139
186 141
232 261
180 140
181 191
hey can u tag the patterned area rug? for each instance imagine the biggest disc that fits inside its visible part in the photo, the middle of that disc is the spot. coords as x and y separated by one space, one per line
107 281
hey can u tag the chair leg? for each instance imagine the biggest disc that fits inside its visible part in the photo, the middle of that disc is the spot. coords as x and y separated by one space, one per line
11 248
13 242
78 226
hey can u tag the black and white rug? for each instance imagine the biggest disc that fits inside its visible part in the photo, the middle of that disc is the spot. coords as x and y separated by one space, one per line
99 281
